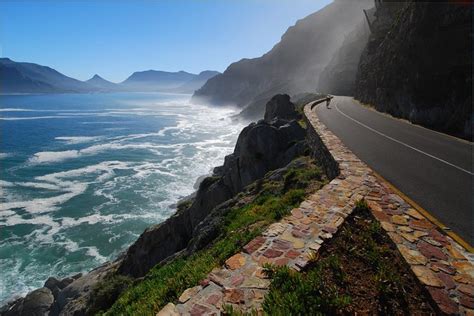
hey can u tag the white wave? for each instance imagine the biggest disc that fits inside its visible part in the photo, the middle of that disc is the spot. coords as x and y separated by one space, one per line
53 156
42 205
55 181
94 252
39 185
115 128
58 156
69 245
72 140
67 222
104 122
43 110
6 184
34 117
103 167
15 110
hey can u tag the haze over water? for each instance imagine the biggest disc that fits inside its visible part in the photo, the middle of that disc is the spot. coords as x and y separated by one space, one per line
82 175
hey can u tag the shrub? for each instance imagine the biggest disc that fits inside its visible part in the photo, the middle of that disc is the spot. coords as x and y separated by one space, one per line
293 293
106 292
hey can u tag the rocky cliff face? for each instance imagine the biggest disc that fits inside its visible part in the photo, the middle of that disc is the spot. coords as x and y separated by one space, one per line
261 147
294 64
417 64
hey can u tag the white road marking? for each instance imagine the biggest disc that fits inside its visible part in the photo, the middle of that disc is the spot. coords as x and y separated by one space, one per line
402 143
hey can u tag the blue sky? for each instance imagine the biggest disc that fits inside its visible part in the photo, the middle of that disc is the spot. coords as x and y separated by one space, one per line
116 38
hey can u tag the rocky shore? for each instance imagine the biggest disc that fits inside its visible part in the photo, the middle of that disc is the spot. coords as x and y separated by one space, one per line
263 146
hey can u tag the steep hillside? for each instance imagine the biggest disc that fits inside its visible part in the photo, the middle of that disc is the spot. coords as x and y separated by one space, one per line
338 77
294 64
19 77
197 82
417 65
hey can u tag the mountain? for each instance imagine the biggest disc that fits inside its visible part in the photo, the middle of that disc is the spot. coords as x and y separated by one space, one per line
20 77
417 65
154 80
102 84
197 82
291 66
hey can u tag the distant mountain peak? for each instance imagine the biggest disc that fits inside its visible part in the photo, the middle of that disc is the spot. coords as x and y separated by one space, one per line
101 83
209 73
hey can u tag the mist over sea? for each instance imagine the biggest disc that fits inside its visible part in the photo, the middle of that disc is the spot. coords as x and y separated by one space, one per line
82 175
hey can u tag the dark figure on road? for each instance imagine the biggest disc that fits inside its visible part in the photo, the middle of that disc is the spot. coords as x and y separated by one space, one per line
328 100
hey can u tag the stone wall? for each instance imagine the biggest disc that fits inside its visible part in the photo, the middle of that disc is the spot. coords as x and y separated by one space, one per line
319 151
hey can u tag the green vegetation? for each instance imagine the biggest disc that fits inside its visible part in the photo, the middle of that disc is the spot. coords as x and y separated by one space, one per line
106 292
270 200
293 293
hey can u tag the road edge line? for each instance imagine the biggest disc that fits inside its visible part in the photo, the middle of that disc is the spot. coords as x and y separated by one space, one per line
388 115
445 229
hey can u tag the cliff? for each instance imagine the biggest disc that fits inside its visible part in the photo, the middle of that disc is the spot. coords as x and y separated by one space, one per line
293 65
417 65
261 147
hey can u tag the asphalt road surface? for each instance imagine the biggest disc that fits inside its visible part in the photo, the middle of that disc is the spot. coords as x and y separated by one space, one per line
433 169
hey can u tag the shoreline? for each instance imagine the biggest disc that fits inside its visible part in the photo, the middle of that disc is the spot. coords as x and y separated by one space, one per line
202 157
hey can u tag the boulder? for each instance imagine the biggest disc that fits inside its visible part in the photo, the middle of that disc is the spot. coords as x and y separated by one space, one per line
280 107
72 300
38 303
262 147
13 308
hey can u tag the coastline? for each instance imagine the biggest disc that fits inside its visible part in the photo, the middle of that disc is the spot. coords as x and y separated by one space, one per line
100 150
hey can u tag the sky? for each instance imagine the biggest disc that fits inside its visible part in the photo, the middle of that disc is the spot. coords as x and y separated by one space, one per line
116 38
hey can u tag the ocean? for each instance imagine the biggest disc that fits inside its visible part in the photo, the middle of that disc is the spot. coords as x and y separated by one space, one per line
82 175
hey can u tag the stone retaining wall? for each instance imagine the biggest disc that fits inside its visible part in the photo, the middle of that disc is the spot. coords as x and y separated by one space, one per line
439 262
319 151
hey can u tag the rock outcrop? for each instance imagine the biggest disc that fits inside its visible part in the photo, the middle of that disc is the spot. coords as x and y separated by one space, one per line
261 147
293 65
280 107
417 64
56 297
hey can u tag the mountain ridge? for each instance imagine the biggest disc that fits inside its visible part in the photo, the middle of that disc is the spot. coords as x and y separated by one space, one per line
25 77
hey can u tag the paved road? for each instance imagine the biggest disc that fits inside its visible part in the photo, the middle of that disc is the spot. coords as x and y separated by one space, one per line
433 169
